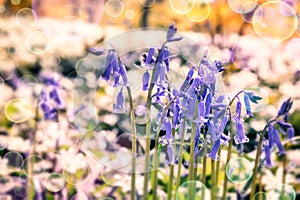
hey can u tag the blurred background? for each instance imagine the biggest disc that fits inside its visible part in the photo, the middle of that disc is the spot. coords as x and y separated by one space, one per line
257 40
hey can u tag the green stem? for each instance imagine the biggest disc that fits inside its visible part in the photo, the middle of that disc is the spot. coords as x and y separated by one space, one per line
212 178
204 173
154 172
259 147
170 183
133 146
228 156
147 160
218 167
178 178
284 165
260 185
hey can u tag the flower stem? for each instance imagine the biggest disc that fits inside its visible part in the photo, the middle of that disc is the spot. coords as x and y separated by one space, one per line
218 167
259 147
178 178
284 165
170 183
154 172
133 146
192 163
228 156
212 179
147 160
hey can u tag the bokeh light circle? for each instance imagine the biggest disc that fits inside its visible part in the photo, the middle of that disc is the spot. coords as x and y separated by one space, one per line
26 17
129 14
238 170
23 178
30 94
7 68
140 115
39 167
38 42
16 110
76 171
14 161
182 6
84 66
20 191
273 25
86 118
260 196
114 8
79 196
54 182
3 143
282 191
292 48
148 3
247 15
237 5
201 192
200 11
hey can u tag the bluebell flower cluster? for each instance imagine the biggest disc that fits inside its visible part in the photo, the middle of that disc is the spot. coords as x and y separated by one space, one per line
50 98
274 130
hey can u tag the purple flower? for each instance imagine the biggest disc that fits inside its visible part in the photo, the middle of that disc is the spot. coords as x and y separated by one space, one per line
167 127
208 101
290 132
247 104
146 78
111 64
276 140
268 161
224 139
187 80
119 107
240 136
171 31
214 150
223 123
51 115
166 58
55 96
238 110
285 107
96 51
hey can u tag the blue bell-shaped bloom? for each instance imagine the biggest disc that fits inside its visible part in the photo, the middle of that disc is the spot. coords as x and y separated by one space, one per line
146 78
214 150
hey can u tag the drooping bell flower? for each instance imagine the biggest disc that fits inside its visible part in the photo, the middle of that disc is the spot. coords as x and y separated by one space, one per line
208 101
166 58
290 132
285 107
146 78
247 105
238 110
276 140
171 154
240 136
55 96
187 80
223 123
267 149
214 150
171 31
119 107
111 63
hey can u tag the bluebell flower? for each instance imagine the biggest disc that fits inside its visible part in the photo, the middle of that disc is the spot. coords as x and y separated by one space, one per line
285 107
197 140
187 80
240 136
275 139
171 31
167 127
177 115
166 58
122 71
51 115
238 110
290 132
55 96
224 123
171 154
247 104
119 107
147 59
271 131
214 150
224 138
219 66
96 51
45 107
111 64
146 78
267 149
208 101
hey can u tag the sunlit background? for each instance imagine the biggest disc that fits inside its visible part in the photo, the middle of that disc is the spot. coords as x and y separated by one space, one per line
258 40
